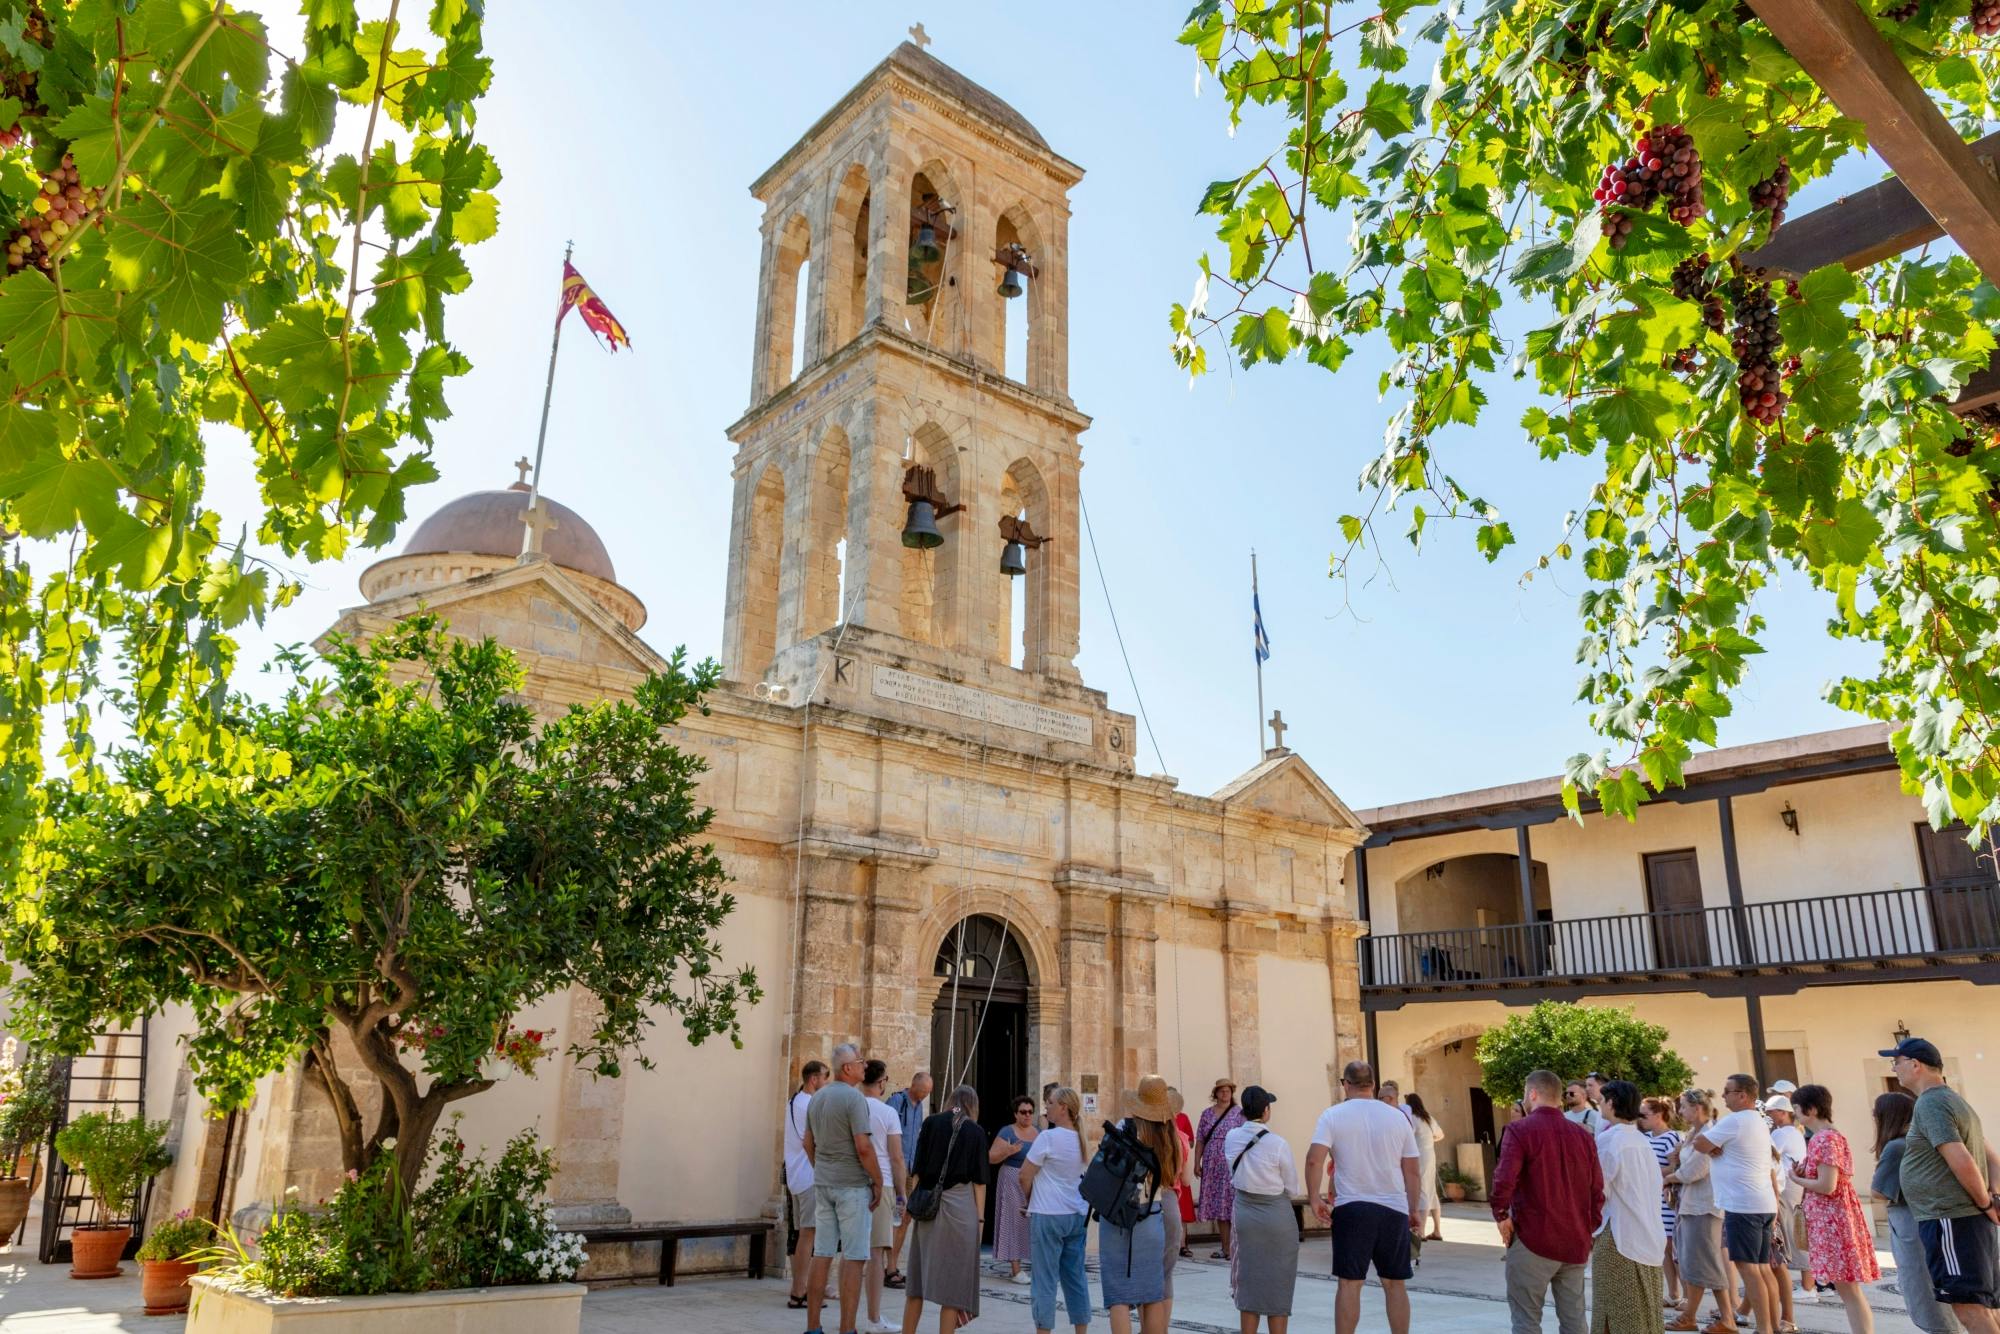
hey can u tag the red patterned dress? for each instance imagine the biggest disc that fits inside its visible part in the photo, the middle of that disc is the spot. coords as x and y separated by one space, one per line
1836 1228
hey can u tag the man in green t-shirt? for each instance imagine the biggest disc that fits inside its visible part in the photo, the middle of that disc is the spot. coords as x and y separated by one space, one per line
1947 1180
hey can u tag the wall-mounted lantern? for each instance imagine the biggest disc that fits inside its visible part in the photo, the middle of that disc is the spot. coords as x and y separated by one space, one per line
1791 819
1017 266
1018 537
927 506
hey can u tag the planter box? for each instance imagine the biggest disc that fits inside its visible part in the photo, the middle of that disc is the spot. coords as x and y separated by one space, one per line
545 1308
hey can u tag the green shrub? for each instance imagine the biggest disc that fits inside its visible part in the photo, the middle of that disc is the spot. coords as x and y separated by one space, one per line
1573 1040
179 1238
28 1097
115 1156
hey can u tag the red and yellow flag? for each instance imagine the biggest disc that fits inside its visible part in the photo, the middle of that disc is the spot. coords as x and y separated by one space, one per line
576 292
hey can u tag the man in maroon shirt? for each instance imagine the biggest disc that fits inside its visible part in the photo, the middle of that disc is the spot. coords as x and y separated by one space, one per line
1548 1197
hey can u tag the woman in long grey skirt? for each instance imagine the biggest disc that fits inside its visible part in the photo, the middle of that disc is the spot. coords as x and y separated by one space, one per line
1264 1264
1132 1262
1913 1275
944 1249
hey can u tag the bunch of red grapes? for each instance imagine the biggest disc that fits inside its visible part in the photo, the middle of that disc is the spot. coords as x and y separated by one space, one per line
12 135
57 211
1690 283
1664 162
1775 190
1986 17
1757 343
1903 12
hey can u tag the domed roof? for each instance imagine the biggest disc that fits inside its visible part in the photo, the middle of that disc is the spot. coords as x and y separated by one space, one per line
490 523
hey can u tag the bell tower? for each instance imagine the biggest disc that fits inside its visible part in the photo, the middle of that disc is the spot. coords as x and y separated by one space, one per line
906 437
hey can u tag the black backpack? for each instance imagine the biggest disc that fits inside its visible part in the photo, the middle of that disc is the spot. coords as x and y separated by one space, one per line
1122 1179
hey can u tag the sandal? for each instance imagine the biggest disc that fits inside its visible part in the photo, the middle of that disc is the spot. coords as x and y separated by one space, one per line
1684 1324
1717 1327
1187 1252
796 1302
893 1279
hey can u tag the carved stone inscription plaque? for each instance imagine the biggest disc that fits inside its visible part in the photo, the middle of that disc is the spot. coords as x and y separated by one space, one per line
980 705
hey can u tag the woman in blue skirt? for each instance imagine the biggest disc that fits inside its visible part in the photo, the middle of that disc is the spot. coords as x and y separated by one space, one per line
1132 1261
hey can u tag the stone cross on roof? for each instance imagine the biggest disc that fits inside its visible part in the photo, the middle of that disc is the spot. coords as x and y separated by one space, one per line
1278 729
918 35
525 467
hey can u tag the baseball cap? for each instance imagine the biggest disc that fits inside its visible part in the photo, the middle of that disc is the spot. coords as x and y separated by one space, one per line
1919 1050
1255 1100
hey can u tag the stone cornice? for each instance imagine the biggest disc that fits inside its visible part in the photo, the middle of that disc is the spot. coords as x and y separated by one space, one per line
1080 879
879 336
876 849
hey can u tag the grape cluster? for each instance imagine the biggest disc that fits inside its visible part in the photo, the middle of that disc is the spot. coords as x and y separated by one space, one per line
1903 12
1664 162
1775 190
1985 17
12 135
1690 282
1757 342
58 210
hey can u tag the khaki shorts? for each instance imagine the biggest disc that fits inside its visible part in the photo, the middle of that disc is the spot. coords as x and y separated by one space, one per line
804 1210
882 1225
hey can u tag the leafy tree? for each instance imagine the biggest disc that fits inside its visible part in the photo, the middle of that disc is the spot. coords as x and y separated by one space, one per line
1573 1040
1740 430
186 253
410 861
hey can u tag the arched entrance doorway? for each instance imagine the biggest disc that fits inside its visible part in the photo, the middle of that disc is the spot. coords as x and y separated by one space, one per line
979 1022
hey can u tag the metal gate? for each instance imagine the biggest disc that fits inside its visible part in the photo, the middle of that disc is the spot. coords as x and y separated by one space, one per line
110 1077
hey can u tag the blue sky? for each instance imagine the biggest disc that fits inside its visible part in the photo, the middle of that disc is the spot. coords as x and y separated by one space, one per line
635 130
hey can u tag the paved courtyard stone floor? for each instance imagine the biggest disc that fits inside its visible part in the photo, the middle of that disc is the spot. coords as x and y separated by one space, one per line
1458 1290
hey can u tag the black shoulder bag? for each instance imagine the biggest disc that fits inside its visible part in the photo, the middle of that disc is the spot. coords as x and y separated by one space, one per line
924 1201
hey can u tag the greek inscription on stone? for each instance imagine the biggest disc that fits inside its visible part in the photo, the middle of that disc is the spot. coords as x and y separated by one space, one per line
981 705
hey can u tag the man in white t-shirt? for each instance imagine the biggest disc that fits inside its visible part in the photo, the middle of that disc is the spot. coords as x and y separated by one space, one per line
799 1175
1372 1205
1740 1142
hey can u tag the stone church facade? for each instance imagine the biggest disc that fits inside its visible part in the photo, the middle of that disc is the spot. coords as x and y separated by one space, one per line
938 839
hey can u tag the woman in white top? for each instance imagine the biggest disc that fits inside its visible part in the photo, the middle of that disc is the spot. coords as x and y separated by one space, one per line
1631 1243
885 1132
1429 1132
1264 1262
1698 1226
1058 1219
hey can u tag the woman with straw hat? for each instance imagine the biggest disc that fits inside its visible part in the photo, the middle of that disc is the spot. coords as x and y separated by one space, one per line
1218 1198
1132 1262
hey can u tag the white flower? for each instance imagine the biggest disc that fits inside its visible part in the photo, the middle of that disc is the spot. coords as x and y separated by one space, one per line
506 1243
291 1190
389 1143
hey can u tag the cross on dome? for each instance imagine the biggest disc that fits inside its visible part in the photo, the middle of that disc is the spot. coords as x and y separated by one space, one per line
525 467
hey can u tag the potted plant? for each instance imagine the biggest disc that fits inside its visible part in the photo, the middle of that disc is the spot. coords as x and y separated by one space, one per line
1452 1183
115 1157
165 1263
27 1106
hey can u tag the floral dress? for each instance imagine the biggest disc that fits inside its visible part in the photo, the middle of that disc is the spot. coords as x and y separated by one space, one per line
1843 1251
1218 1196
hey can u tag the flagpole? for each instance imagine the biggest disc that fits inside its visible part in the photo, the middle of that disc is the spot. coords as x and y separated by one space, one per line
531 541
1259 656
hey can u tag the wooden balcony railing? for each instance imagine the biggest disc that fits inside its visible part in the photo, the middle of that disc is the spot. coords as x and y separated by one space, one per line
1929 922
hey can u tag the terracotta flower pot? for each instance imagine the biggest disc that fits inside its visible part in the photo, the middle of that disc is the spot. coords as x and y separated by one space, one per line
163 1285
15 1193
1454 1192
95 1251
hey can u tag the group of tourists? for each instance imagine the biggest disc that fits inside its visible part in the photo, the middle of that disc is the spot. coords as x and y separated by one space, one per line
1630 1211
1593 1175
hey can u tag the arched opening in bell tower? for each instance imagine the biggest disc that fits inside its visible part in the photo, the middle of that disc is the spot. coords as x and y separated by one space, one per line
789 336
1023 602
934 304
763 555
1015 329
847 259
930 577
826 560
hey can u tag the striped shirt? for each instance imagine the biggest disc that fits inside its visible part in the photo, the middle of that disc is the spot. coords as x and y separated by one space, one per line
1664 1146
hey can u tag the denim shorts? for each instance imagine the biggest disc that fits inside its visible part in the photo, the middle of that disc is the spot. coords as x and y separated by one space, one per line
844 1222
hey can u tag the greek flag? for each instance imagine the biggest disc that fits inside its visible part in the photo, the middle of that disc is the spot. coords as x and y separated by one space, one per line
1263 640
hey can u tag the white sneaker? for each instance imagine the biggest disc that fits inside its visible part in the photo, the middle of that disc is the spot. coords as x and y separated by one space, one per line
880 1327
1022 1277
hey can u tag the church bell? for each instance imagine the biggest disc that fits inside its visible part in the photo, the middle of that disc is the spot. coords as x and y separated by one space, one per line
924 249
921 288
1013 560
921 530
1013 284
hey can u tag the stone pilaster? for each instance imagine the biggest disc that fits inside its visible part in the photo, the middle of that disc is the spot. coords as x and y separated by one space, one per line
590 1124
1136 1025
892 1027
828 1002
1246 933
1343 968
1084 948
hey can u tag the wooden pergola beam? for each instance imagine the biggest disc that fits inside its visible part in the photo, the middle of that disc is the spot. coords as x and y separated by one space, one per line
1837 44
1859 229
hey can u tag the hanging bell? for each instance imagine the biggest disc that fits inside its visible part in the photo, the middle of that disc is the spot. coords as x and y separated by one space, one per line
925 248
921 288
921 531
1013 560
1013 283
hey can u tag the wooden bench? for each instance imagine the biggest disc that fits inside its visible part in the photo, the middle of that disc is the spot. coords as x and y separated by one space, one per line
671 1235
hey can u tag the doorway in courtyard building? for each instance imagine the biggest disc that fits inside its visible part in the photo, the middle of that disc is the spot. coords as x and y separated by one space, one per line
1446 1074
979 1022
